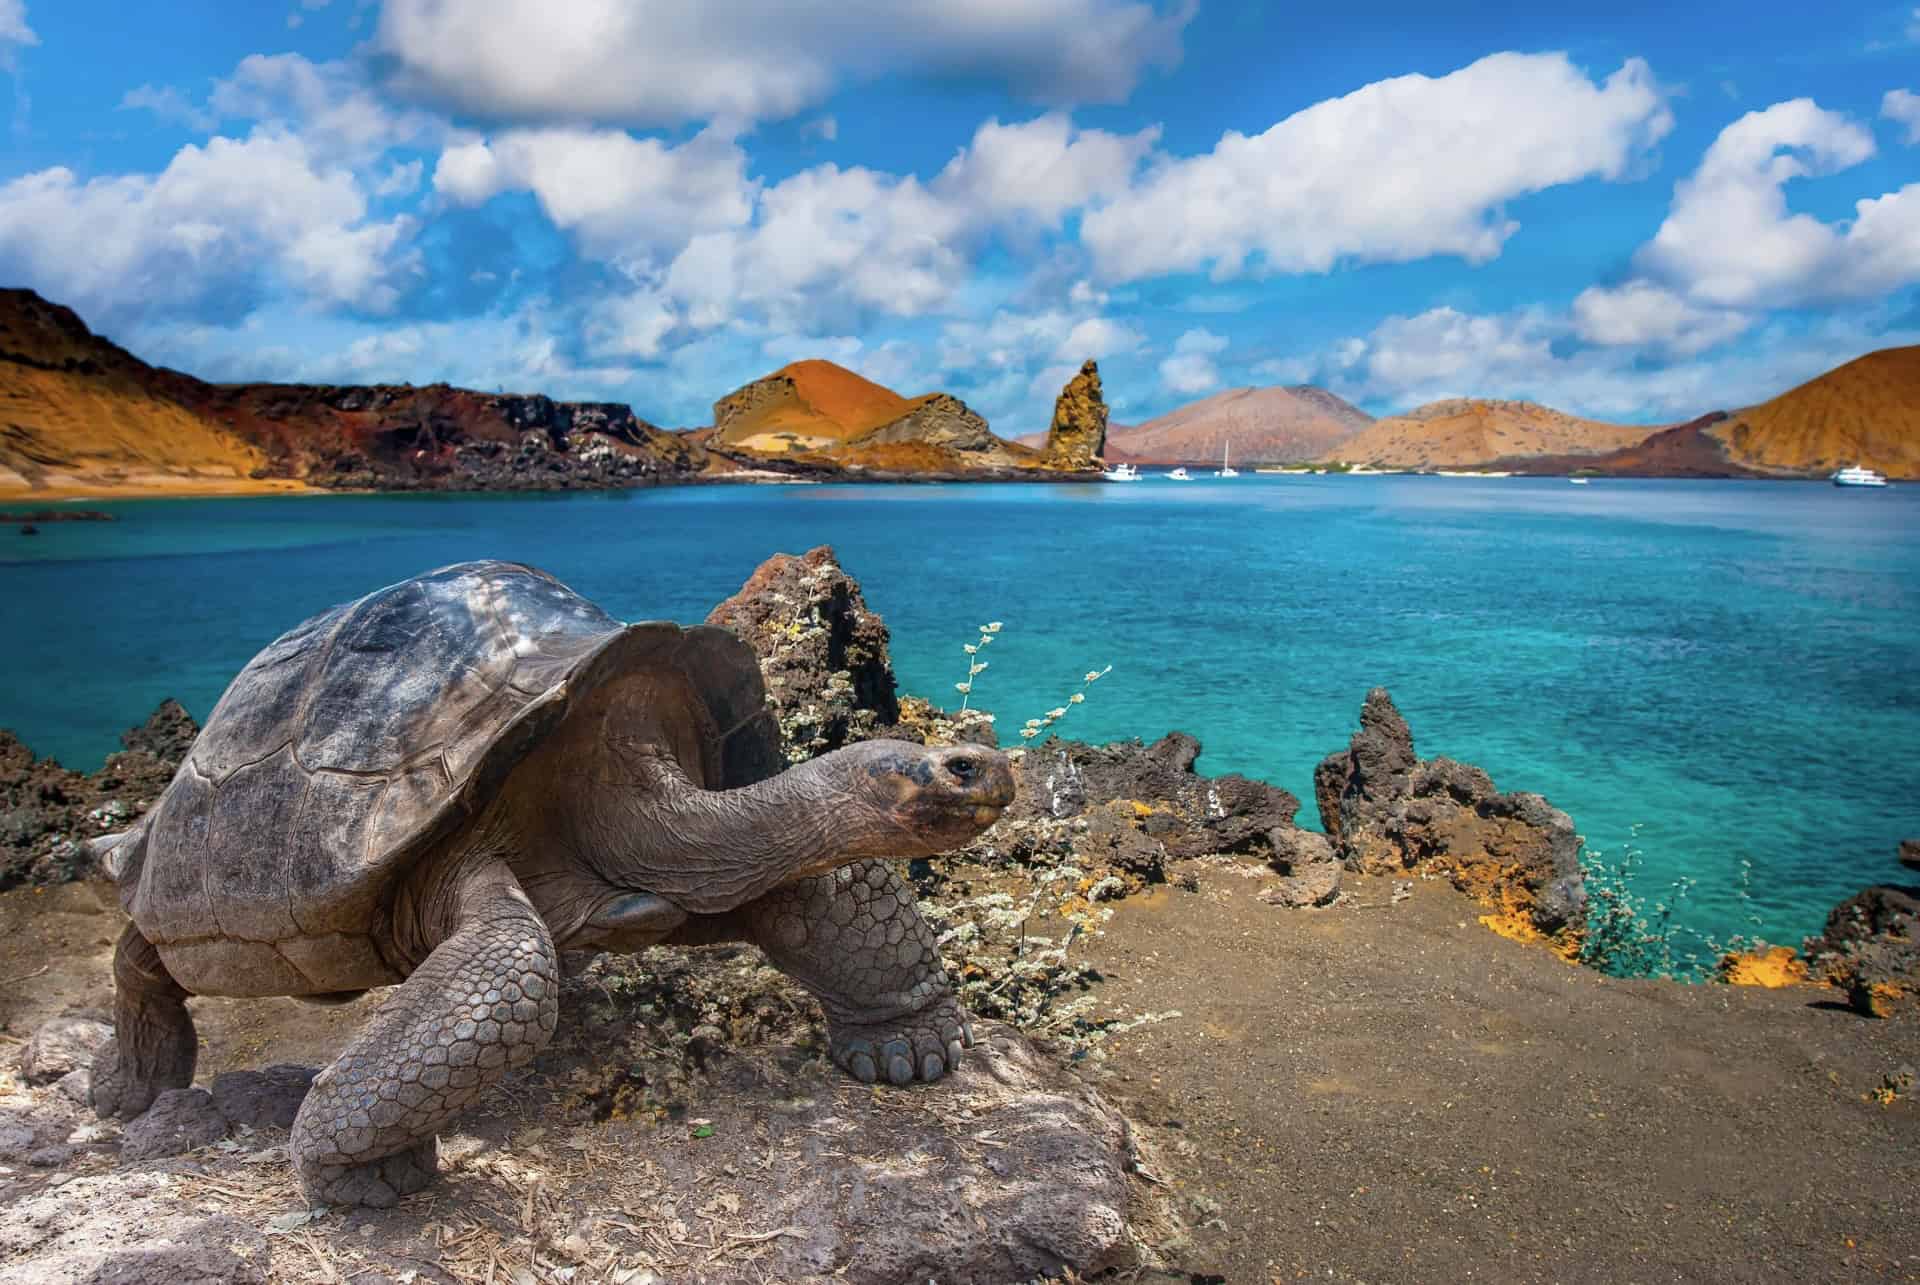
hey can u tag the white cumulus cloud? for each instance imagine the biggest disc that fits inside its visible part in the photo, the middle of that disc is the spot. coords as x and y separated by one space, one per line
1640 312
14 32
1902 106
664 62
1190 369
1730 241
231 212
623 196
1398 170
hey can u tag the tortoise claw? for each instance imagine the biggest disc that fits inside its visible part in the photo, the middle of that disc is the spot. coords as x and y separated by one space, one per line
921 1046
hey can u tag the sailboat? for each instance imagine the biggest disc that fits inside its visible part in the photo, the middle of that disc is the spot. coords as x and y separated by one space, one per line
1226 469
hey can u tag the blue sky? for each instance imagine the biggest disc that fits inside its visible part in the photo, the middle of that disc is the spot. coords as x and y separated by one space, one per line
1627 210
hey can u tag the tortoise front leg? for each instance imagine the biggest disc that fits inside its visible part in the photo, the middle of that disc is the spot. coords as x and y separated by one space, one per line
484 1001
855 938
153 1045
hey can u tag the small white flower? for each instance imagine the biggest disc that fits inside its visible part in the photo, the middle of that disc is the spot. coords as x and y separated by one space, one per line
1093 675
963 687
1078 698
1056 713
986 639
969 648
976 668
1033 722
1028 733
993 626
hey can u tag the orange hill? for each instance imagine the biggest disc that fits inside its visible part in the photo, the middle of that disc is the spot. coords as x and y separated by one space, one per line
1466 432
1866 412
812 402
815 415
78 414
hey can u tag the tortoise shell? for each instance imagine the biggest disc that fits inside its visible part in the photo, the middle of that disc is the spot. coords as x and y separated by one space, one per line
356 741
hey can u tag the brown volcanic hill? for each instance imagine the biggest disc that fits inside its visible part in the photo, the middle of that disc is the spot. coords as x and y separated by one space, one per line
78 414
1685 450
1866 412
811 403
816 416
1277 425
1470 432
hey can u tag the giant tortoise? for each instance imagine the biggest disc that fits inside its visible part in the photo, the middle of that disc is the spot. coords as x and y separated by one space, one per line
444 783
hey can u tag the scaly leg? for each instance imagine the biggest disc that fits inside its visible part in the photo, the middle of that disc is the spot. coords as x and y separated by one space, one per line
855 938
483 1002
153 1046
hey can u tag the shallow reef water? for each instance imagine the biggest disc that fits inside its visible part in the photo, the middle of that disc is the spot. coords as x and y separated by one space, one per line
1731 667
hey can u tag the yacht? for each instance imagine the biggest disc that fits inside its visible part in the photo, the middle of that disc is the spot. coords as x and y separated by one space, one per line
1179 475
1858 476
1122 473
1226 469
1578 481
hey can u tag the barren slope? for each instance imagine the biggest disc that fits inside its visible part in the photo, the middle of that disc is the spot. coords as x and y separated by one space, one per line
77 413
1263 425
1467 432
812 403
1865 412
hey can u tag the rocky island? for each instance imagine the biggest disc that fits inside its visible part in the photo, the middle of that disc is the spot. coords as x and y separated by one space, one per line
1214 1045
87 418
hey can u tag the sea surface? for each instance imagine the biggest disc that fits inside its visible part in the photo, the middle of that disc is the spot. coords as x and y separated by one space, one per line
1725 675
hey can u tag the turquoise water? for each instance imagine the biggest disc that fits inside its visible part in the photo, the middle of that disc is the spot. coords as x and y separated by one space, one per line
1732 666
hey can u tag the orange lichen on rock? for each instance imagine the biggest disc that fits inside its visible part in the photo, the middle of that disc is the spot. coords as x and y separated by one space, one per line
1773 968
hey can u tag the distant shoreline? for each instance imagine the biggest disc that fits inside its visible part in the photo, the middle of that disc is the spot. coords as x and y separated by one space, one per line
203 489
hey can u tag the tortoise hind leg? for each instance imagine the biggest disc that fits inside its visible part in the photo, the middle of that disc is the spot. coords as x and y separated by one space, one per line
856 939
484 1001
153 1046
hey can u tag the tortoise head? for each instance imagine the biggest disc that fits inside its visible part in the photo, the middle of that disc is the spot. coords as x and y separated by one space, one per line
921 800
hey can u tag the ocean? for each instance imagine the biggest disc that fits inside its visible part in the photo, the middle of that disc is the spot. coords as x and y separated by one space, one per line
1725 675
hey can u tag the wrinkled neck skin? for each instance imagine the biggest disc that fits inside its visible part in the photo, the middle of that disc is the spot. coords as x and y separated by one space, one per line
709 851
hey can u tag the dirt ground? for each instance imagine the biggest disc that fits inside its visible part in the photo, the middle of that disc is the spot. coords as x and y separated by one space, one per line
1388 1092
1379 1091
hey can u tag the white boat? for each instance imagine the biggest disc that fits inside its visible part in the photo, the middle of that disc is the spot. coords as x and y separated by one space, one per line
1179 475
1855 475
1122 473
1579 481
1226 469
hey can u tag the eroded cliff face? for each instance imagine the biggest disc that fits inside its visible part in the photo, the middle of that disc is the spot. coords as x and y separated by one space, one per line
399 437
1388 811
81 414
939 419
1078 434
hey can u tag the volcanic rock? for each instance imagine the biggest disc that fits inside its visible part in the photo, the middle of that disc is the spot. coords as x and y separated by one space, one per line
1137 807
822 650
178 1121
62 1046
939 419
1870 946
1387 811
261 1099
1078 433
47 811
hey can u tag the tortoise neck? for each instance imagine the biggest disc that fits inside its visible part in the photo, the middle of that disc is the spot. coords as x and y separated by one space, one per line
709 851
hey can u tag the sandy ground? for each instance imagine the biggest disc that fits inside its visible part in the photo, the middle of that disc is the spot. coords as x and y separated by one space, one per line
146 487
1380 1091
1391 1093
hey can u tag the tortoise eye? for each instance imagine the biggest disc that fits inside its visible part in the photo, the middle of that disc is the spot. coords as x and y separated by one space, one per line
961 767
